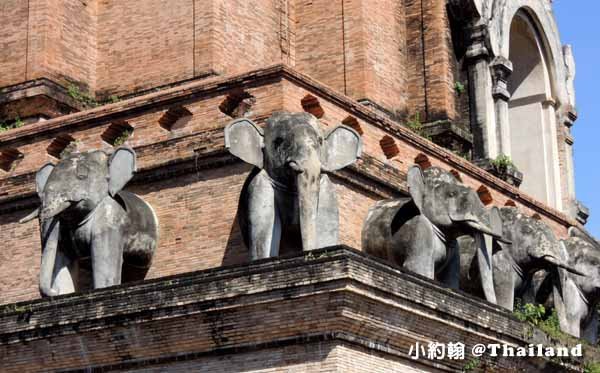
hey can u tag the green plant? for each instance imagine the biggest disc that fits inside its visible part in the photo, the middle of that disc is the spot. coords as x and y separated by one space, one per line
122 138
113 99
70 148
528 312
459 88
416 126
502 162
471 364
539 316
16 123
82 97
592 367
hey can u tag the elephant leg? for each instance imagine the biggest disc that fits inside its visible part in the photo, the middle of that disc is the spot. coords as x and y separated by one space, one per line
419 245
107 258
264 222
589 330
450 274
504 281
422 265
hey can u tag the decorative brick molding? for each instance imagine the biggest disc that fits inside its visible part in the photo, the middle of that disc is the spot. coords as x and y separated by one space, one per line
8 159
389 146
237 104
484 195
117 133
170 120
58 145
311 104
351 122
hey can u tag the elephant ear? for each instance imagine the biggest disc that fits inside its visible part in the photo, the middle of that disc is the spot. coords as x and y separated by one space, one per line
416 185
121 167
245 140
496 225
41 177
343 147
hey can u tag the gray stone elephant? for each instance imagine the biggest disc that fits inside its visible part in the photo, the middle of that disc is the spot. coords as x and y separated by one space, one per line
288 199
576 305
420 233
85 213
533 247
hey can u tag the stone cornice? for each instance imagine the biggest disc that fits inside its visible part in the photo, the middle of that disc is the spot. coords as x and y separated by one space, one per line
364 302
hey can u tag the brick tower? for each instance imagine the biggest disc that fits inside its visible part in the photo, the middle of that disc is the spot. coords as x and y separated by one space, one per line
432 82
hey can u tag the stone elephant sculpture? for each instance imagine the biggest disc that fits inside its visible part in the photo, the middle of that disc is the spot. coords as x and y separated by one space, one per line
85 213
419 233
288 194
533 247
576 305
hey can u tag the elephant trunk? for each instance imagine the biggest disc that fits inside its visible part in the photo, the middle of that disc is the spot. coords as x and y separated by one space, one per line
484 245
50 235
53 207
308 201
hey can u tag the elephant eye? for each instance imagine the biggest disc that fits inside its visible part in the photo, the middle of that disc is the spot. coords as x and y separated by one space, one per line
278 141
82 171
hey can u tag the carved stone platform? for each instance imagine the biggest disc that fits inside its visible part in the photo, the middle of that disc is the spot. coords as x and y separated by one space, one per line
333 309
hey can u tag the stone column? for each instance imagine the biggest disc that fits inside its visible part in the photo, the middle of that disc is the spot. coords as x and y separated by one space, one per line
501 69
480 90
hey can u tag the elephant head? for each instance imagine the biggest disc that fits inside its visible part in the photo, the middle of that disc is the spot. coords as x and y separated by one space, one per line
452 207
576 304
533 244
293 152
533 247
456 210
69 192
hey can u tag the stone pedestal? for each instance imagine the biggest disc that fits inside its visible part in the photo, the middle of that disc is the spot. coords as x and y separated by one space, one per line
334 310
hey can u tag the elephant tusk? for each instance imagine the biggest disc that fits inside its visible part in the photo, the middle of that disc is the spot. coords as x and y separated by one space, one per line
295 167
31 216
552 260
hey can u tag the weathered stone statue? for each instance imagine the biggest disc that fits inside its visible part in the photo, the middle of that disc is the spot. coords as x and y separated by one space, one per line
533 247
570 73
576 305
287 197
420 233
85 213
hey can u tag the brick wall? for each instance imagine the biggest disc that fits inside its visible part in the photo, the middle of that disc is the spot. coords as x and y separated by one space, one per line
430 60
194 185
147 43
368 50
13 41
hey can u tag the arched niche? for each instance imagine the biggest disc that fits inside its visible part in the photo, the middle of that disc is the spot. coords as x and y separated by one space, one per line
532 115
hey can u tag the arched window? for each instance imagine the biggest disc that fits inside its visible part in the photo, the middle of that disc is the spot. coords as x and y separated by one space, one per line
532 116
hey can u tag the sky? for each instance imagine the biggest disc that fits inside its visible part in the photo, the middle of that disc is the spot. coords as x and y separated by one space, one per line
577 22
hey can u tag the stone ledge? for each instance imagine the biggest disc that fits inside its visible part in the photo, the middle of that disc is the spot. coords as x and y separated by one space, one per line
39 97
450 136
329 294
